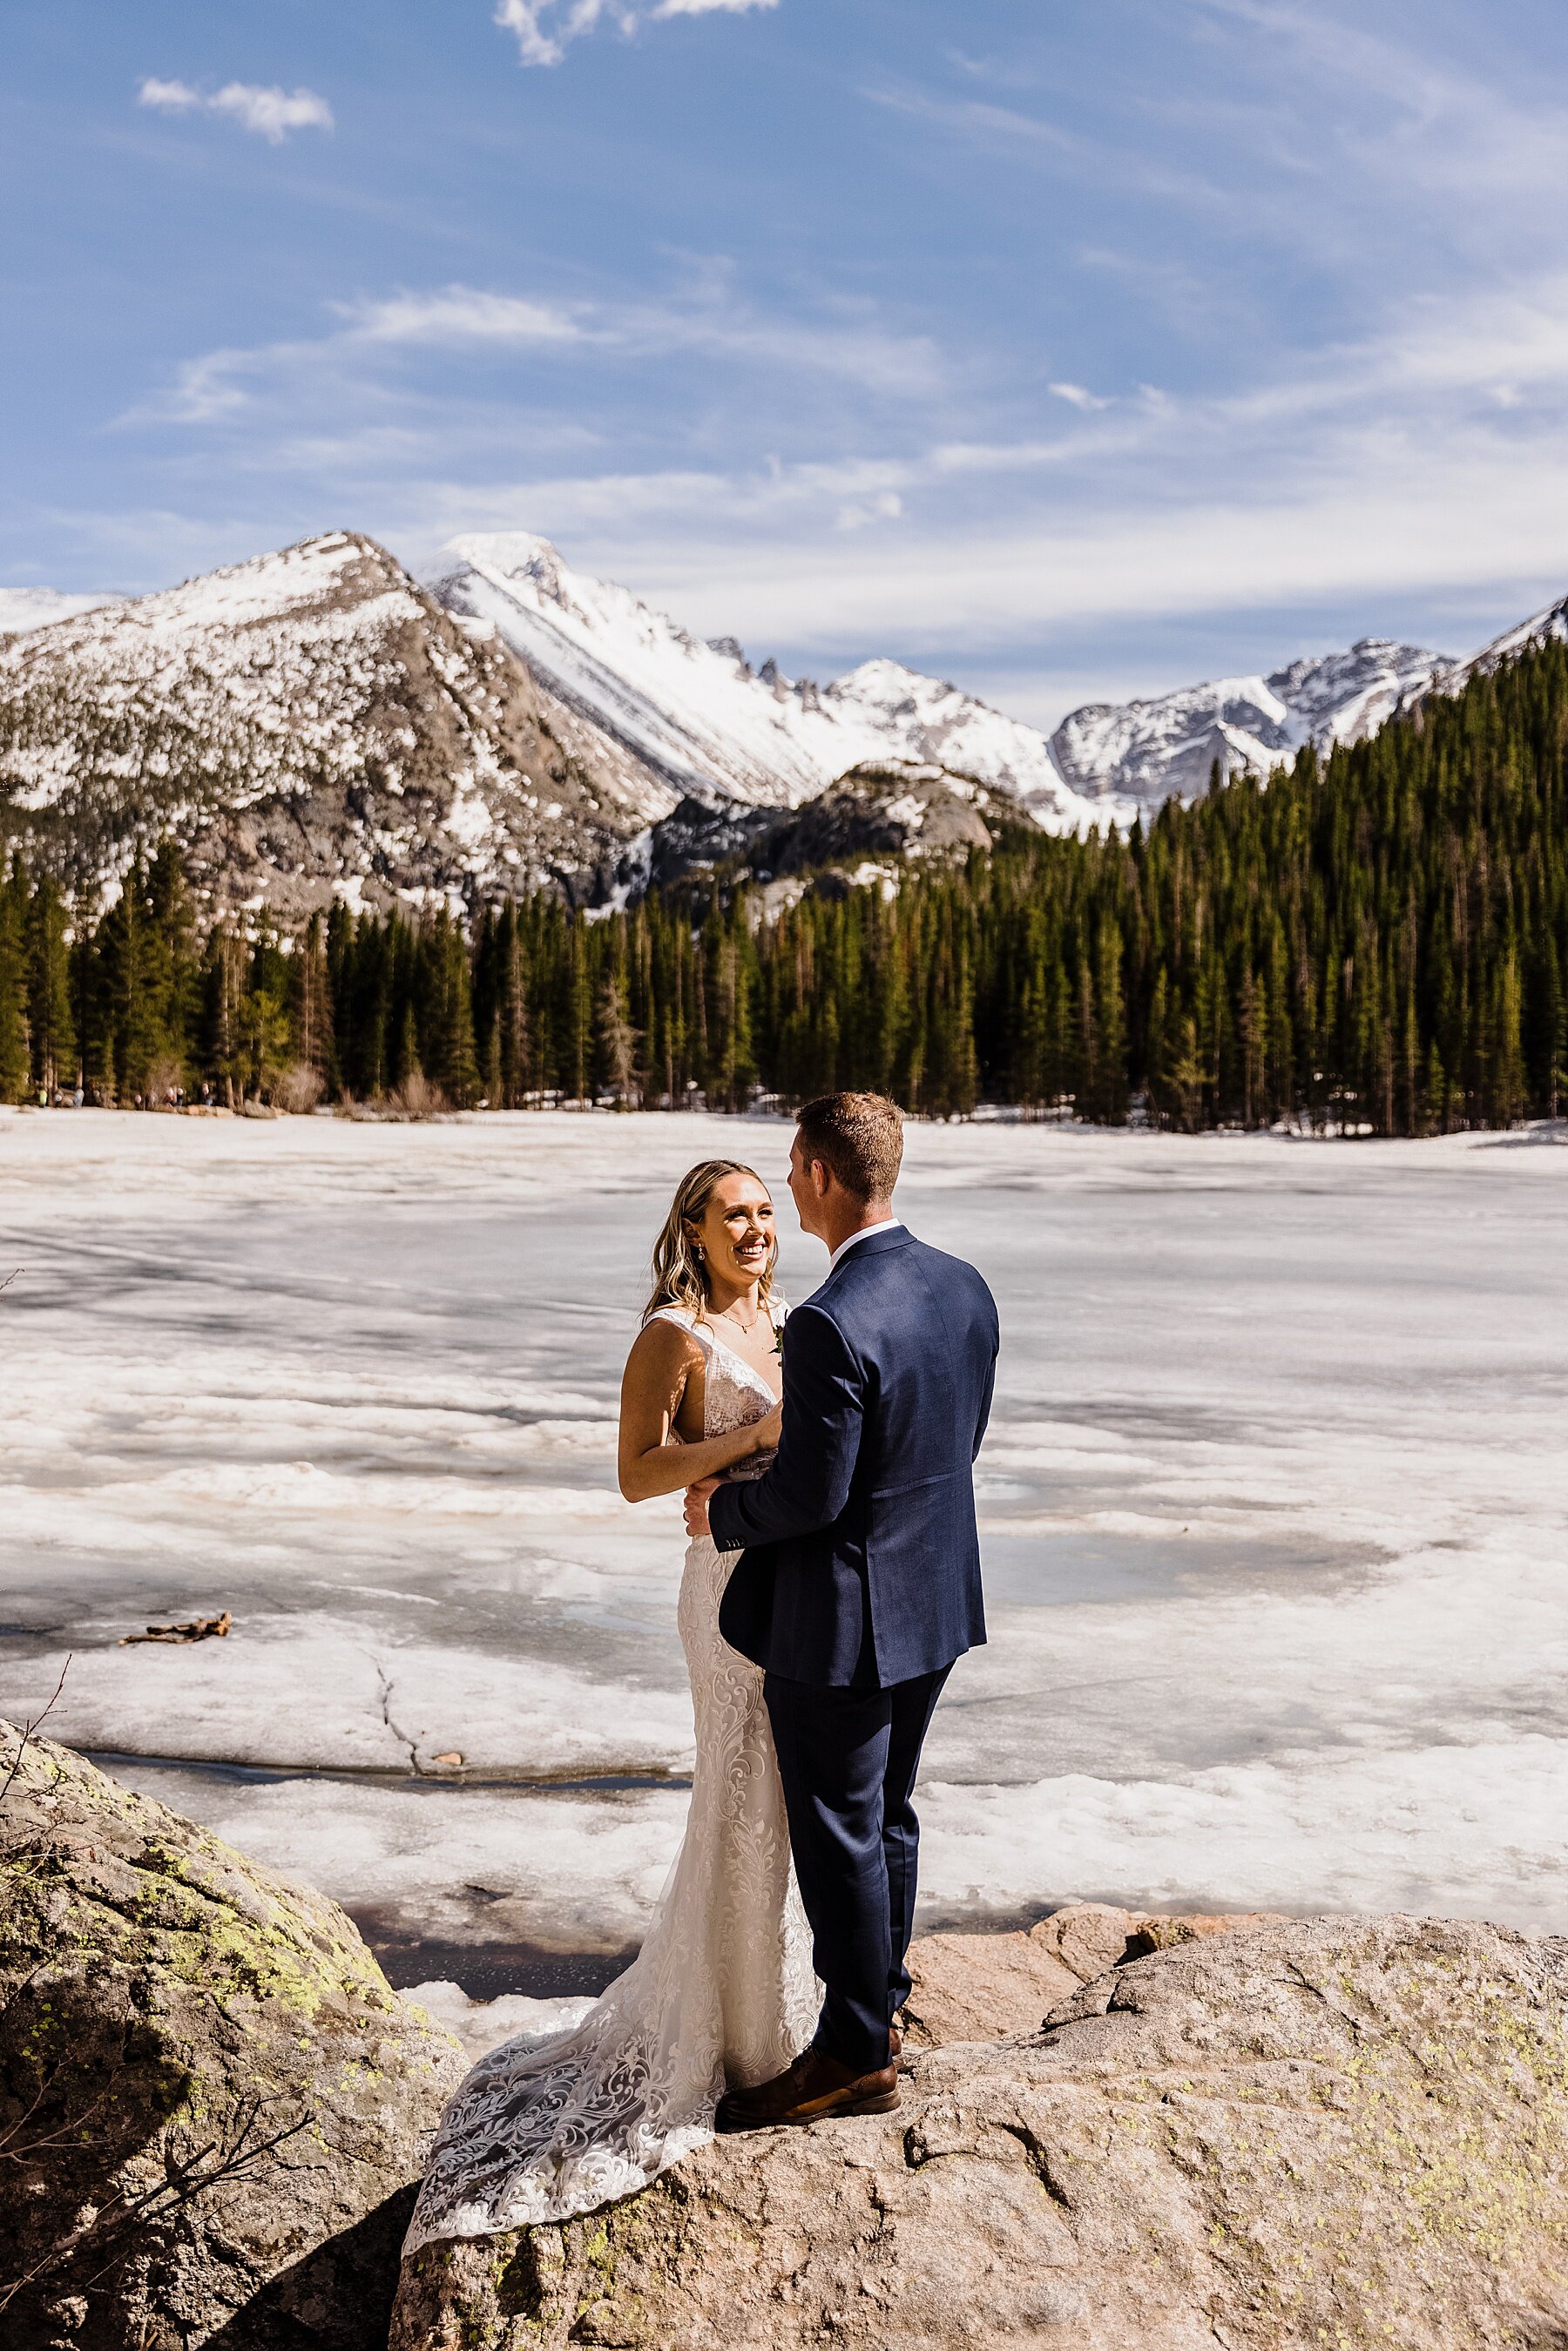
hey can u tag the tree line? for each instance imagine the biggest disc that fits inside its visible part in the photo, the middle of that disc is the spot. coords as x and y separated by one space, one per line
1376 941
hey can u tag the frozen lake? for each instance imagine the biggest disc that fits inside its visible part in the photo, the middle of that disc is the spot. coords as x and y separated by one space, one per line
1275 1509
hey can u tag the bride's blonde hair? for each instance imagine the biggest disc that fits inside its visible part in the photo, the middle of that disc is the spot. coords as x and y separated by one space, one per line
680 1277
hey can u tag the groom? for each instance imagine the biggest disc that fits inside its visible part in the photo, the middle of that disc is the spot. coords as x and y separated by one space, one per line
859 1582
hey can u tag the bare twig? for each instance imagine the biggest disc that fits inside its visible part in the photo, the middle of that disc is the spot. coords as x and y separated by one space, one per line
30 1729
10 1277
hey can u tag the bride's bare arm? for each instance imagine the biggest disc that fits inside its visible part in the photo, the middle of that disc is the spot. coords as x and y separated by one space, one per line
653 1460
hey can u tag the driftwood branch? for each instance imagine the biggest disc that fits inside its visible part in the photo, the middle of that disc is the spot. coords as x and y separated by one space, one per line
200 1628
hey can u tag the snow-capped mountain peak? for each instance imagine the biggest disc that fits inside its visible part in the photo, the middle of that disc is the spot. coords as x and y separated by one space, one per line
1339 697
1147 750
695 720
313 722
692 720
703 723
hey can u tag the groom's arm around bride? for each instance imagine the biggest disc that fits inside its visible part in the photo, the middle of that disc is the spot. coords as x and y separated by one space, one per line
859 1582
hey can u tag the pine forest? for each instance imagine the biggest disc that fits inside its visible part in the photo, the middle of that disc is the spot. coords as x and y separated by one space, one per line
1376 942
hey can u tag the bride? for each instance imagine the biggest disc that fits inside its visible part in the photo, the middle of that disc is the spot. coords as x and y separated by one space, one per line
722 1992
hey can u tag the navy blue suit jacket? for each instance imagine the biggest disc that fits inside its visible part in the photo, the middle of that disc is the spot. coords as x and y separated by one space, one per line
861 1563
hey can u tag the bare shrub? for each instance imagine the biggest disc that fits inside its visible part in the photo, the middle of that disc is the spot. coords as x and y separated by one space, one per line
416 1098
299 1089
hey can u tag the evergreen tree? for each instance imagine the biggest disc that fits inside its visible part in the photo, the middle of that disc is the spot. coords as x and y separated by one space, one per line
310 1002
15 1069
51 1026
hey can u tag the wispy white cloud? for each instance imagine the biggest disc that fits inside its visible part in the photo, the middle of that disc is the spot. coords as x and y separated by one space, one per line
545 29
710 7
849 345
461 314
268 111
1391 468
1487 523
1430 452
1077 397
273 113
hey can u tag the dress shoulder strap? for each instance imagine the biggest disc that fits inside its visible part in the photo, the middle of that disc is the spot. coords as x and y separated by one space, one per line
685 1320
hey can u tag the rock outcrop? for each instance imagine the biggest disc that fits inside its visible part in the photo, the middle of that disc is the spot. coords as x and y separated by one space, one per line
212 2105
989 1987
1310 2133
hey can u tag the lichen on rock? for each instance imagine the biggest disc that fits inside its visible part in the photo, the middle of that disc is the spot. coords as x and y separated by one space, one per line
212 2102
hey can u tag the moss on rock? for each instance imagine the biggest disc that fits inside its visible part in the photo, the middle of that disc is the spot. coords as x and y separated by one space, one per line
220 2102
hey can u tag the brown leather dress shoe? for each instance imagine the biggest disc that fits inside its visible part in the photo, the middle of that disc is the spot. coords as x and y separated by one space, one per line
814 2088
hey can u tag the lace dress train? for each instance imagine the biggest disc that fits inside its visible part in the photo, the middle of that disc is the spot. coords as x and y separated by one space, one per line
722 1989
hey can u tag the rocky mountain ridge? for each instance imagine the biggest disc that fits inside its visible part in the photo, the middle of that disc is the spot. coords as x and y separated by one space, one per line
1552 624
879 815
1145 751
698 716
306 725
316 724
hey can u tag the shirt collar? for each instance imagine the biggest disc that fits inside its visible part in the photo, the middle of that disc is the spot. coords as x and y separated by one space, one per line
888 1225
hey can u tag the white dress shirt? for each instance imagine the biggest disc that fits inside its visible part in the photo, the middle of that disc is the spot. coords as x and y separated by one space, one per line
888 1225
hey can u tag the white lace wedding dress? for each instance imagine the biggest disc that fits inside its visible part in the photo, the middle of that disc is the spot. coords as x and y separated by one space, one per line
722 1989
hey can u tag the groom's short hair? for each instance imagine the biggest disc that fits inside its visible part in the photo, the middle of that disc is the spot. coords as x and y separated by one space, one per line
858 1138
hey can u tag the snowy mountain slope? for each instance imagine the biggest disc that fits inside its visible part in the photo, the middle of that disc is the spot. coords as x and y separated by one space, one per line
1538 631
702 723
22 609
695 718
1147 750
699 717
308 722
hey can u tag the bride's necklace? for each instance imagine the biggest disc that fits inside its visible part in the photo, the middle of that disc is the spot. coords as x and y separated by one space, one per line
727 1314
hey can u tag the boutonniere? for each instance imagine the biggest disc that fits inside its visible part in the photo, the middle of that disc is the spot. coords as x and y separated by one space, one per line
778 1341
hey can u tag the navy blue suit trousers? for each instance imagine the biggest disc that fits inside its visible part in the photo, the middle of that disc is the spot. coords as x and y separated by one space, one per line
848 1760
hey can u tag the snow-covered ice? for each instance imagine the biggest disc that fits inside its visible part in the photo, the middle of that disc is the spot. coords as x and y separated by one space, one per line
1275 1512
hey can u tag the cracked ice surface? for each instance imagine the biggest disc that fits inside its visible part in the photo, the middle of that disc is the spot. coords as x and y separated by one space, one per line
1275 1512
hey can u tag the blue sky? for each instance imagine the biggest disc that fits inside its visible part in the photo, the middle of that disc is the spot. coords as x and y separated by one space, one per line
1071 348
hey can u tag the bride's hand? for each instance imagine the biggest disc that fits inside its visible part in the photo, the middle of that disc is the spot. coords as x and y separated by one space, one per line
765 1434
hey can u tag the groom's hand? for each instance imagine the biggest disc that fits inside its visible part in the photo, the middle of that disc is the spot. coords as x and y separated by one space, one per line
696 1505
